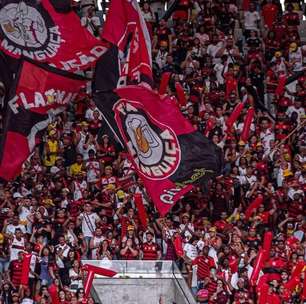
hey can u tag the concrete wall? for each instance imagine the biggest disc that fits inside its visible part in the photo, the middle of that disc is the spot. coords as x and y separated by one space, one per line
140 291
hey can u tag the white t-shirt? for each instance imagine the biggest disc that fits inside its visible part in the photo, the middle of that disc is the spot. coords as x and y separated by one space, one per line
191 251
250 20
16 246
93 171
10 229
89 114
296 58
91 23
32 265
248 180
266 137
187 233
218 68
27 301
212 51
75 283
23 215
78 189
292 109
65 249
89 223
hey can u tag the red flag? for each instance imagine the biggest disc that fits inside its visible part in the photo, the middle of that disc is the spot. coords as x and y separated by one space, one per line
267 242
35 30
281 85
180 94
164 82
40 95
178 246
247 125
257 266
167 153
234 116
143 217
125 27
253 206
25 270
53 294
91 271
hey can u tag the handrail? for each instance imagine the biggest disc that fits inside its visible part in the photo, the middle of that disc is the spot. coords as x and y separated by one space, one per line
178 282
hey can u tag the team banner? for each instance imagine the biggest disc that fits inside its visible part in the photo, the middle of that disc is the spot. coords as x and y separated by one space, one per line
36 30
39 95
125 27
168 154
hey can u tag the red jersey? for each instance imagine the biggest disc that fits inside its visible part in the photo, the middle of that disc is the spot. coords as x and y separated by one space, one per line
16 270
150 251
292 19
108 181
182 10
280 30
264 216
204 266
128 255
269 13
163 34
211 287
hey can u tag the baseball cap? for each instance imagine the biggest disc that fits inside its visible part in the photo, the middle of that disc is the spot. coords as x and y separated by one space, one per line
17 195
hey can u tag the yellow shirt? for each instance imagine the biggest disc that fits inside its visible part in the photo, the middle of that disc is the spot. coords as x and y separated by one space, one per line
53 148
75 169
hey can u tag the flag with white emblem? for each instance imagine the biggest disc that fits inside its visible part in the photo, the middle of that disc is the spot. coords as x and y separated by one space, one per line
40 94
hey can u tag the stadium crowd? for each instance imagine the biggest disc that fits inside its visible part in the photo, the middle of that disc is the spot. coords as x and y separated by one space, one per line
74 198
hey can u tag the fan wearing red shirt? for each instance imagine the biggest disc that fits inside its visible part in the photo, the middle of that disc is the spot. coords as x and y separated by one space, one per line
291 18
128 251
269 13
182 10
150 250
280 29
231 82
263 216
15 271
210 283
204 263
109 178
274 261
106 151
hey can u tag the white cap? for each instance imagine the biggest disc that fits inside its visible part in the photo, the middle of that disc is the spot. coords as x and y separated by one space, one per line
17 195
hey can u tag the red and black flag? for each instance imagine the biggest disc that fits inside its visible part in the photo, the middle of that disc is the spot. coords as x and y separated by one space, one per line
166 151
39 94
125 27
49 33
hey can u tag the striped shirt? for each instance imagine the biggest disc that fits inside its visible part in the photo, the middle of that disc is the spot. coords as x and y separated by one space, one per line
204 266
15 271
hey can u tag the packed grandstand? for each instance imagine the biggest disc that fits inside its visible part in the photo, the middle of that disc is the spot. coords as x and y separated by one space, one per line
236 70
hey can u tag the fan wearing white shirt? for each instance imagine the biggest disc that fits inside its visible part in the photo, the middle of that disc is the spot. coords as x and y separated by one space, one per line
91 109
249 178
214 47
190 253
296 108
91 22
88 220
251 19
